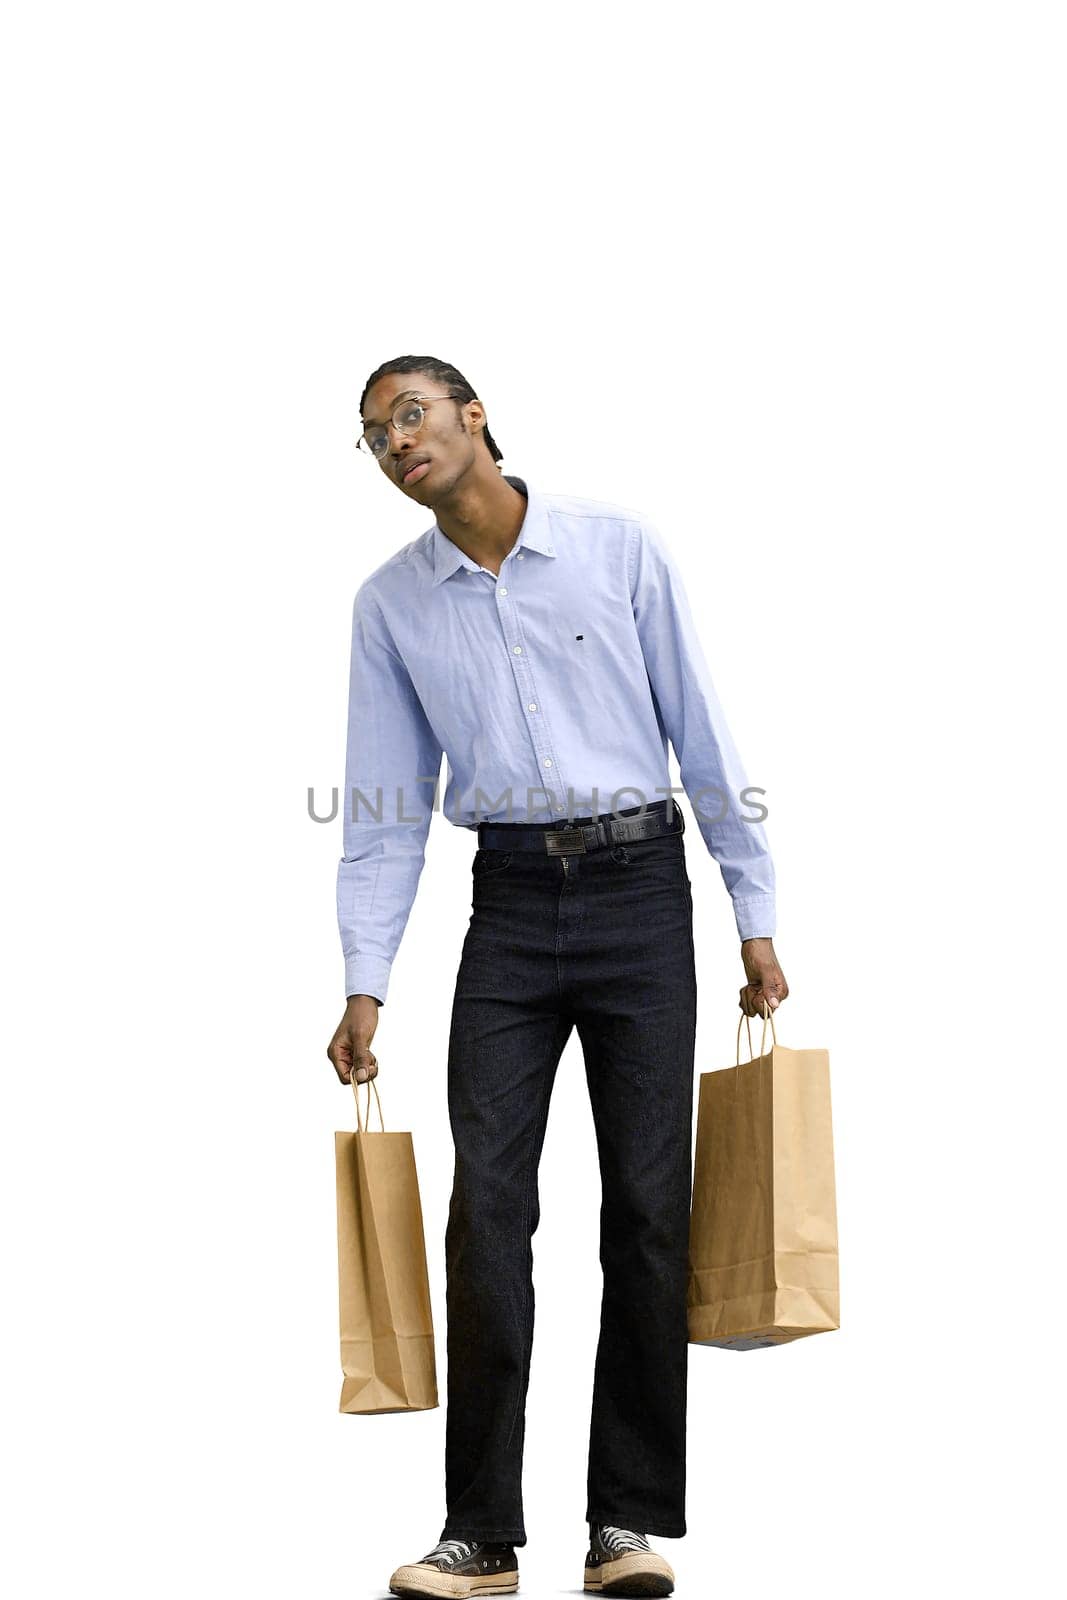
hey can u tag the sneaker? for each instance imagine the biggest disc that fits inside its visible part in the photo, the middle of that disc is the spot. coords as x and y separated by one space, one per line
620 1561
460 1567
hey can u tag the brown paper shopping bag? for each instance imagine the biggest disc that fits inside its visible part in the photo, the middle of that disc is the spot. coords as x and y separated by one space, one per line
763 1230
387 1345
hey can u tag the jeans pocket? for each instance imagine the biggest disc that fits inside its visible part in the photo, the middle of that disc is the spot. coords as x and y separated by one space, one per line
488 862
655 863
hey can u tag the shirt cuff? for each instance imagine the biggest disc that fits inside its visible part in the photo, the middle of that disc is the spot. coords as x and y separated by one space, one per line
367 975
755 916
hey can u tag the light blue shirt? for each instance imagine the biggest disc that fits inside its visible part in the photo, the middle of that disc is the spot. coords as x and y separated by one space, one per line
552 688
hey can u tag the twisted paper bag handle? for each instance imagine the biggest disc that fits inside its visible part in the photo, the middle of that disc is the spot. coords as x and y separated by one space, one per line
768 1016
359 1116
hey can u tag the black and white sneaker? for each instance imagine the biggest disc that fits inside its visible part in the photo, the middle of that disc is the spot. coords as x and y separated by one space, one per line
460 1567
621 1561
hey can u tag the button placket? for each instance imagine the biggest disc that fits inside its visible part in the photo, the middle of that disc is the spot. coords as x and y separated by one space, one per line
549 774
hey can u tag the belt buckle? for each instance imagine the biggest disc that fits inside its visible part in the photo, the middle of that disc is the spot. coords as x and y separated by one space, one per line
564 841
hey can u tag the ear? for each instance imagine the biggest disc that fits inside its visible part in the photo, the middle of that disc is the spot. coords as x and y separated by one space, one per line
473 413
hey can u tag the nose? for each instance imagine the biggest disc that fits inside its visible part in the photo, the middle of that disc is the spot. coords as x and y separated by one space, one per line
397 443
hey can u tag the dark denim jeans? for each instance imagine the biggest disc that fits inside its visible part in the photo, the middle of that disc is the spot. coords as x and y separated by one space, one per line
602 941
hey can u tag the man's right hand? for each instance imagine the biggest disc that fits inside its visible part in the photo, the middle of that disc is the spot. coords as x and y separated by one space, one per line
349 1049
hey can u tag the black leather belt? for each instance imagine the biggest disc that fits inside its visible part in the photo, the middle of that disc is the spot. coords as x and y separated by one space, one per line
585 833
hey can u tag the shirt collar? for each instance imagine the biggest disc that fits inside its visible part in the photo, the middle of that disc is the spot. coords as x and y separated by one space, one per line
533 535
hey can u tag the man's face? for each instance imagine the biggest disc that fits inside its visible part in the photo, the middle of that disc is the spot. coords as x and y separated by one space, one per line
428 464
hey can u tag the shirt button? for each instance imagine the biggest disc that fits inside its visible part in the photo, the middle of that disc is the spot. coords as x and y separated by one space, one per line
548 761
516 650
521 556
533 705
503 591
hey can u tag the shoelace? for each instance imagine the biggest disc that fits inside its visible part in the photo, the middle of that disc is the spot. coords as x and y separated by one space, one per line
618 1540
450 1550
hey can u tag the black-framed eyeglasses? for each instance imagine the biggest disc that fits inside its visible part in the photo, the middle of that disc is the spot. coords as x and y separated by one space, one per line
408 416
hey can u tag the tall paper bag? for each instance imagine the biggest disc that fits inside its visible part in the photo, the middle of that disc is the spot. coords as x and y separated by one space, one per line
763 1263
387 1343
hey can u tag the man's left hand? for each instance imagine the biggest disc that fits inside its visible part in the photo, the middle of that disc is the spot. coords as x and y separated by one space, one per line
766 986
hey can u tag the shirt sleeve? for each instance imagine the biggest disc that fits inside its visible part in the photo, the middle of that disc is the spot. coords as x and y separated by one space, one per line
392 763
692 718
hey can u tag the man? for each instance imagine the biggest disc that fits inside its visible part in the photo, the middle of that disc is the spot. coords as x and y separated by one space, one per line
545 644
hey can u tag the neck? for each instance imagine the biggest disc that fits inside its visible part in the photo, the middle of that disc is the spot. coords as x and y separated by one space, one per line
483 516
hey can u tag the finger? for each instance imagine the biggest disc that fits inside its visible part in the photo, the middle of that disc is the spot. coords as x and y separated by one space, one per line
769 993
761 1000
340 1057
366 1066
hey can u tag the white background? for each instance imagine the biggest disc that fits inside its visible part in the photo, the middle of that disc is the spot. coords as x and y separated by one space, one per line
787 278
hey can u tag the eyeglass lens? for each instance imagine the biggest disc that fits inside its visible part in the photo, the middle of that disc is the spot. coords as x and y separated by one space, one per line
407 418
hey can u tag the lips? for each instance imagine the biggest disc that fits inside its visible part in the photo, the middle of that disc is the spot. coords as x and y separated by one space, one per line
409 464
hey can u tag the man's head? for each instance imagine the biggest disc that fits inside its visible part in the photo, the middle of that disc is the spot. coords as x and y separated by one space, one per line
447 443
